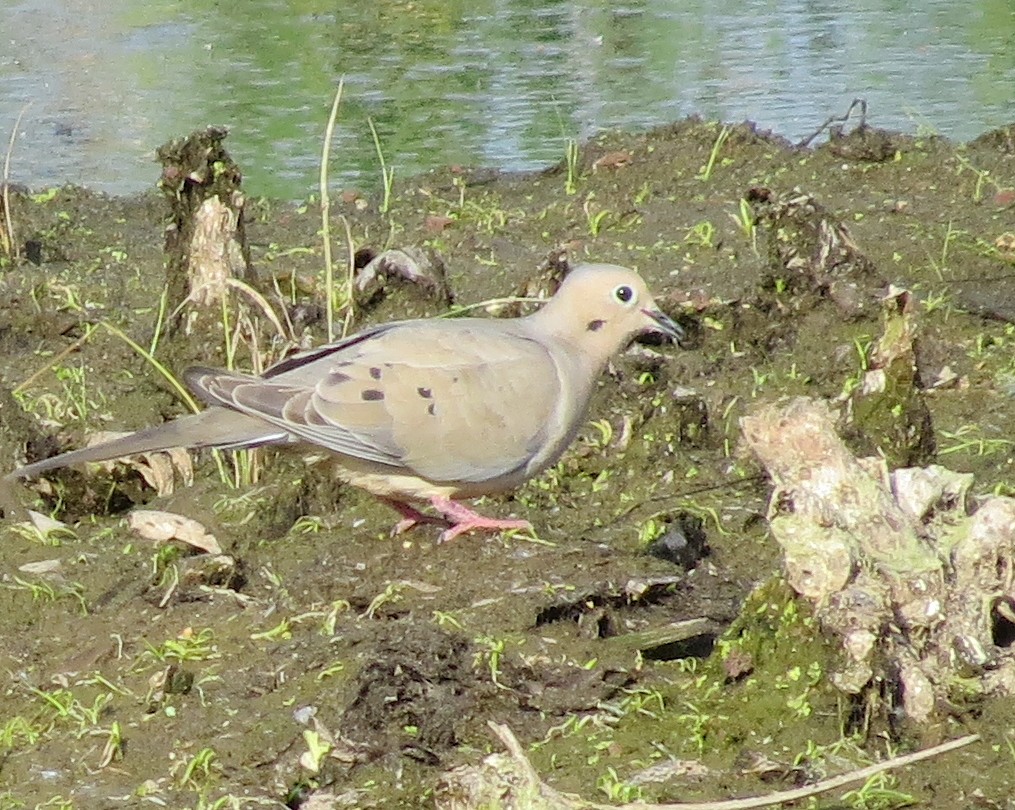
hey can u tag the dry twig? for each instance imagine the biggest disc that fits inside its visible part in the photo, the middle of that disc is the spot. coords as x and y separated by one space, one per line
556 799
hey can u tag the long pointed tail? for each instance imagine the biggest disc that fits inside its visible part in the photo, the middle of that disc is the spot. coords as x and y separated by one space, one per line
214 427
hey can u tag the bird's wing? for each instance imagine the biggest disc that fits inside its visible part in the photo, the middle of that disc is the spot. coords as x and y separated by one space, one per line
452 401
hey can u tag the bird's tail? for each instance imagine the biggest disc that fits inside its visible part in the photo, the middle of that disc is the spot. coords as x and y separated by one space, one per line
214 427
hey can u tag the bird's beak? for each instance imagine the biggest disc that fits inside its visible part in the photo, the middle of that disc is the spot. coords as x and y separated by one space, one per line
664 324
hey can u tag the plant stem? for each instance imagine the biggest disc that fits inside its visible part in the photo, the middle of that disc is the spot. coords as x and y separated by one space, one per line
329 270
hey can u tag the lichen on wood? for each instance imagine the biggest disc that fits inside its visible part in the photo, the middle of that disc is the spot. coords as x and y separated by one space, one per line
205 240
919 593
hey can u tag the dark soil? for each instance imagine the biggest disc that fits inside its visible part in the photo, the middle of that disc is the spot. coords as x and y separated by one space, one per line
138 676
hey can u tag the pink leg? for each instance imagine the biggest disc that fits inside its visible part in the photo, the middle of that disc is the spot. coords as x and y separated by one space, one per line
461 519
411 517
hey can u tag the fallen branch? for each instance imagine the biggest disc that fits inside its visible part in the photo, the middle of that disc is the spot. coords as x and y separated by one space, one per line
838 119
557 799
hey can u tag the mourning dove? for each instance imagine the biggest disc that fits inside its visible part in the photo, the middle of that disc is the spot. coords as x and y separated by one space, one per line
435 409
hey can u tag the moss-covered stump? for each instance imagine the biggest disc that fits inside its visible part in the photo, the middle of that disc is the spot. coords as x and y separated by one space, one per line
918 593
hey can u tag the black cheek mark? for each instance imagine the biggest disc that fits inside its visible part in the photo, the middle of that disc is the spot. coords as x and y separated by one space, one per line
595 326
372 395
426 393
375 372
431 409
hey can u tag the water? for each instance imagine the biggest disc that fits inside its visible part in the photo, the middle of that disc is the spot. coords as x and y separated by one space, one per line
500 83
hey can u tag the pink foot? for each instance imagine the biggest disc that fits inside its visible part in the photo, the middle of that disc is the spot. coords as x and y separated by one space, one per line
411 517
461 519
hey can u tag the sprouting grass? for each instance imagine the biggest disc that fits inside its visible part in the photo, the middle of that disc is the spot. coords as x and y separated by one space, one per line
19 731
878 793
342 297
387 175
76 403
459 182
643 193
282 631
650 530
443 618
615 788
238 509
965 440
862 346
982 176
43 591
79 401
199 646
594 219
244 332
571 155
113 748
43 530
486 213
200 770
702 234
337 608
698 723
308 524
491 651
284 331
391 594
174 383
489 217
167 375
55 361
318 748
8 242
744 219
64 706
603 436
940 265
705 173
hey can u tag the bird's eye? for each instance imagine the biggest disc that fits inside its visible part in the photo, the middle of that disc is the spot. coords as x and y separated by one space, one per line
624 294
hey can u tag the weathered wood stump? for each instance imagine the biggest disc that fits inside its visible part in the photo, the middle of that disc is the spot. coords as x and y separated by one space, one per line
205 240
919 593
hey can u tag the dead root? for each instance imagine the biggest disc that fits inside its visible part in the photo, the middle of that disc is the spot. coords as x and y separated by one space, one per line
918 593
509 781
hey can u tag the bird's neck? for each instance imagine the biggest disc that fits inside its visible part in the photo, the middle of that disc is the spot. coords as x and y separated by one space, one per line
587 349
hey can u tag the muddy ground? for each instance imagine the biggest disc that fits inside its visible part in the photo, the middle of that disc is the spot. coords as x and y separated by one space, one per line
138 676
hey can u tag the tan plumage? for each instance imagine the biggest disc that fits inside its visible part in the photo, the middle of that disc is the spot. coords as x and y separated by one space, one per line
432 409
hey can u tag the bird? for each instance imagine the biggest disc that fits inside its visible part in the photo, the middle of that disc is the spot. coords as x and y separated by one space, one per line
429 410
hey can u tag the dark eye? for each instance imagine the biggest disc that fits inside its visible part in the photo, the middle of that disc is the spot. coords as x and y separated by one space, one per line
624 294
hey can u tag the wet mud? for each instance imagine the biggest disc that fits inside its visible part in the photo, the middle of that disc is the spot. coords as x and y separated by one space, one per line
317 661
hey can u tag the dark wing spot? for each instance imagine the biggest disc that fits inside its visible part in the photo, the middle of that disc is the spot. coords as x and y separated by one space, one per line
337 378
431 409
372 394
595 326
426 393
375 372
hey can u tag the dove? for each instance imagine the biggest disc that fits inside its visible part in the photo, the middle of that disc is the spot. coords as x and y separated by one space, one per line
432 410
